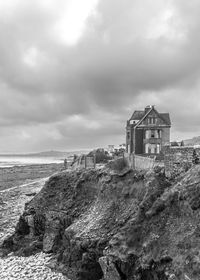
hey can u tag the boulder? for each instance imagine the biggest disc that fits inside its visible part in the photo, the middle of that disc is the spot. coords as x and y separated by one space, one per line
109 269
51 235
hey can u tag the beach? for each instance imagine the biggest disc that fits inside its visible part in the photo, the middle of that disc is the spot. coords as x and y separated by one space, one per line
18 175
18 185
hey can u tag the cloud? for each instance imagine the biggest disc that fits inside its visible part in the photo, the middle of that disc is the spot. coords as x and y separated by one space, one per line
79 70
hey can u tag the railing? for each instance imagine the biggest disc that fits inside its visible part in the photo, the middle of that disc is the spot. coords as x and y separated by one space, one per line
152 140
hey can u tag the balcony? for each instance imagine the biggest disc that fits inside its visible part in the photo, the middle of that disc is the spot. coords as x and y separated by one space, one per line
152 141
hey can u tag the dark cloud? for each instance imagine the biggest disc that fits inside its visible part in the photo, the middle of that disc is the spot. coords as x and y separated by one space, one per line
130 54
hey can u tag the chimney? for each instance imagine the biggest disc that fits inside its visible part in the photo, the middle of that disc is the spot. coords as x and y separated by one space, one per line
147 108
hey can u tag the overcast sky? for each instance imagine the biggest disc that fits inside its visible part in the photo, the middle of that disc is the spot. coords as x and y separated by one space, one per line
73 71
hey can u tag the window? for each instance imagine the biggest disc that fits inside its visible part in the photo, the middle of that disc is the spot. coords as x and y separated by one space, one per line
152 148
128 135
152 120
158 149
133 121
152 134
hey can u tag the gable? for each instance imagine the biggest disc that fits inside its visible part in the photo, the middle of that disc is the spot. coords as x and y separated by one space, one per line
149 116
153 118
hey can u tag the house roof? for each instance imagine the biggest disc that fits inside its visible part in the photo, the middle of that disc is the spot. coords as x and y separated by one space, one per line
166 117
138 115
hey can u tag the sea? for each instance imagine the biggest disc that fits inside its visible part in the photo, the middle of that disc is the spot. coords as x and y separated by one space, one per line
10 161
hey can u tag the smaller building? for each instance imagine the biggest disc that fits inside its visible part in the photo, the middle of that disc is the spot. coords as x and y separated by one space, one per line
147 131
111 148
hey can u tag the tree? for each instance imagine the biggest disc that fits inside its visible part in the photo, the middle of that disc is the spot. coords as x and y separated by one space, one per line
182 143
195 157
101 155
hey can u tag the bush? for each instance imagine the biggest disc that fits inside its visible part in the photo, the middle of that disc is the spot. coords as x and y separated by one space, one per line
120 164
195 157
174 144
102 156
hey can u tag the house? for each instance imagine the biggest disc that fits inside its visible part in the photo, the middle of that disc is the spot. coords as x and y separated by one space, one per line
147 131
111 148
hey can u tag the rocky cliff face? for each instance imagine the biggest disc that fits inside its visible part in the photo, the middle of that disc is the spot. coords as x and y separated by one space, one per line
102 224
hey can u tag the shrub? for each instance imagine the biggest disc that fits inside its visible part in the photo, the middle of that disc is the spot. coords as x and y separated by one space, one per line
195 157
102 156
174 144
120 164
182 143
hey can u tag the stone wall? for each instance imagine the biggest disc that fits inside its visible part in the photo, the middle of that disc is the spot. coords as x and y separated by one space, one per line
177 159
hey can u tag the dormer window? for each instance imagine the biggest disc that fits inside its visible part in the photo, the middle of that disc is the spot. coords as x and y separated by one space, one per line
134 121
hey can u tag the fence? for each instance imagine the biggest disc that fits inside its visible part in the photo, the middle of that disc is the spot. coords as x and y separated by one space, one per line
90 162
84 162
139 162
144 162
134 161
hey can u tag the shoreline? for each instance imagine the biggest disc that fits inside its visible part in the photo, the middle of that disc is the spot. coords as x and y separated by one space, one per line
19 175
18 185
25 184
12 202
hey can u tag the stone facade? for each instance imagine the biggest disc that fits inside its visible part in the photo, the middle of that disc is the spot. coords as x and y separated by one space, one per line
147 132
177 158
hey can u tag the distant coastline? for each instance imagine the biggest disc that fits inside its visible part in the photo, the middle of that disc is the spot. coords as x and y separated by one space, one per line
41 158
45 154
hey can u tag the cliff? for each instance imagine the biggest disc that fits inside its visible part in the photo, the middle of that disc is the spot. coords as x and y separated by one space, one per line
127 225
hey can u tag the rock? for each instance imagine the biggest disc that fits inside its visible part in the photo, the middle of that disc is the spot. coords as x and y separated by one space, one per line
22 227
51 234
109 269
33 267
119 225
31 194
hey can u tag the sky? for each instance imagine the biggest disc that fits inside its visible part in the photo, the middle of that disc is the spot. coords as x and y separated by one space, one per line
72 71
